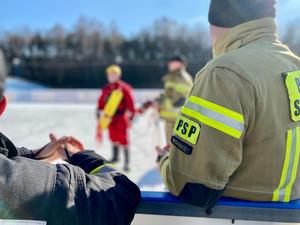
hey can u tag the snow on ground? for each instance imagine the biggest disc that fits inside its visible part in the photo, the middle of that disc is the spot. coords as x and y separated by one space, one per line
28 125
35 111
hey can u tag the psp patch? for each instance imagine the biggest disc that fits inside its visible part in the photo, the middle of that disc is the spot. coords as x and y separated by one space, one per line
187 129
184 147
292 82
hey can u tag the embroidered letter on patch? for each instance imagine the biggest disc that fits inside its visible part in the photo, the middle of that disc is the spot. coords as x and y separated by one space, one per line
187 129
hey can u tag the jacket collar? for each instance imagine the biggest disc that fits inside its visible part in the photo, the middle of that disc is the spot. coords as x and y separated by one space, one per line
244 34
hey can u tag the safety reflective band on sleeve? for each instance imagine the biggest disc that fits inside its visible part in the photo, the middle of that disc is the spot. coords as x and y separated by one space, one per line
178 87
168 115
103 169
216 116
290 167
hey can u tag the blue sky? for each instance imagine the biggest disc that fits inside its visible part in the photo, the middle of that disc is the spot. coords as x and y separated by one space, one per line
129 15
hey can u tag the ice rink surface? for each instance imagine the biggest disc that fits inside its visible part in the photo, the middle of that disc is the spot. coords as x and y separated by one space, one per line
28 125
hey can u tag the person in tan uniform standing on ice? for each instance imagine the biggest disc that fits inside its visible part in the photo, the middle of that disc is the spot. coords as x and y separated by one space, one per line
177 86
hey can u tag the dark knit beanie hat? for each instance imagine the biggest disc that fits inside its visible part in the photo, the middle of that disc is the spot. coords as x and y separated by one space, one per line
230 13
179 58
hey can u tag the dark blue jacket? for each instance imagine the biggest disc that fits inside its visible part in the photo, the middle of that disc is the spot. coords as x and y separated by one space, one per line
63 193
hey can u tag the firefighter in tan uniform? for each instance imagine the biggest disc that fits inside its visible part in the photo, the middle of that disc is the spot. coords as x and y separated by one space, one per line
238 134
177 86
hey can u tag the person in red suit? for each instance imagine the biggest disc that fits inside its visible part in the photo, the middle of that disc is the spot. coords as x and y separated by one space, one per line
120 123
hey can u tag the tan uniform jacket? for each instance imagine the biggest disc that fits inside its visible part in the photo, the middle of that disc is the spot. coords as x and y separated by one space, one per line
239 129
177 87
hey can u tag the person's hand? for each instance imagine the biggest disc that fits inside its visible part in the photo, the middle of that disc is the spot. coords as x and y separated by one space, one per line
50 149
59 149
68 151
148 104
161 152
63 154
72 147
76 143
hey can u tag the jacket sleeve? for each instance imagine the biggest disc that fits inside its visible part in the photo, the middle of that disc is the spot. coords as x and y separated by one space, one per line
64 194
8 149
107 196
26 188
208 136
101 100
129 100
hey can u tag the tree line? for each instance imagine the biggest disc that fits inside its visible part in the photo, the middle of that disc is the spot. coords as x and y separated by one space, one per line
76 58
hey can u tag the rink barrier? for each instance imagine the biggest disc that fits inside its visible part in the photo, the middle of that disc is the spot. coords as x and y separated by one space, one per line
164 204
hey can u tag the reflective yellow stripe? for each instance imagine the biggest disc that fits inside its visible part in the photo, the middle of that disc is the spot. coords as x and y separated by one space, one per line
285 165
178 87
287 196
290 167
217 108
213 115
168 115
98 169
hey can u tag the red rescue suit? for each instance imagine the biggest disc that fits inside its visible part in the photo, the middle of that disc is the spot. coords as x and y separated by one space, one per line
121 120
3 103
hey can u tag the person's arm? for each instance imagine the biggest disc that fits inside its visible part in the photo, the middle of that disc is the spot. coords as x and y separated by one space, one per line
112 197
208 137
33 190
129 100
26 187
90 162
102 100
8 149
27 153
30 189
